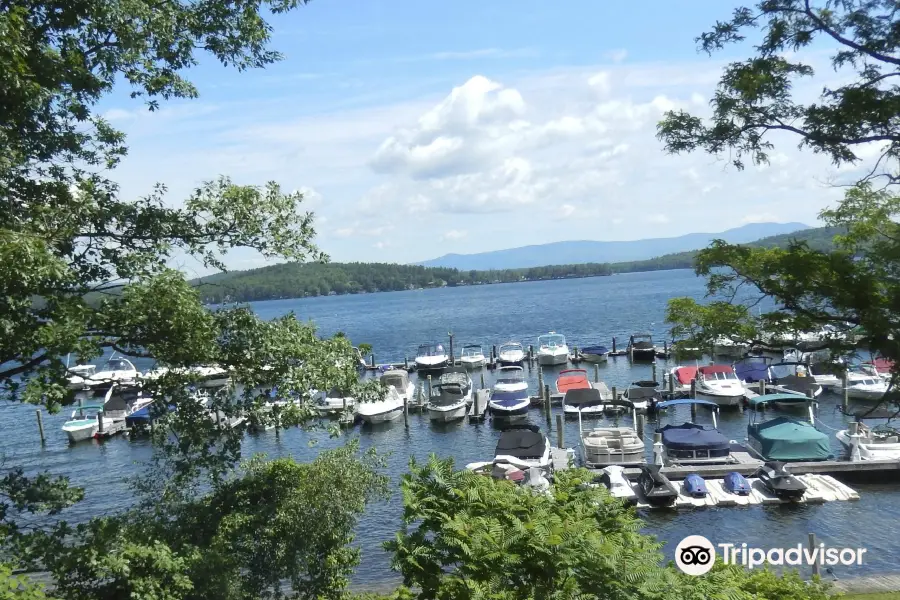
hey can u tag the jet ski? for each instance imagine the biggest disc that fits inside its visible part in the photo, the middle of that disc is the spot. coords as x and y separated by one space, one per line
613 477
782 484
736 484
657 488
695 487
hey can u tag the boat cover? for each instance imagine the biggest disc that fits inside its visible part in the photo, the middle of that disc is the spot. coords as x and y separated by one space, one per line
788 439
577 380
521 443
797 383
640 393
581 396
752 368
690 436
509 398
759 402
686 374
594 350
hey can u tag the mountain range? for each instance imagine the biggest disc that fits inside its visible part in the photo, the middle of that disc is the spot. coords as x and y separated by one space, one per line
588 251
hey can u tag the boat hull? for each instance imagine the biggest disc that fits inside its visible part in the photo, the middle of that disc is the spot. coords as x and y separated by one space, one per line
80 433
594 358
720 398
865 395
867 451
549 360
444 415
503 412
382 417
473 363
431 366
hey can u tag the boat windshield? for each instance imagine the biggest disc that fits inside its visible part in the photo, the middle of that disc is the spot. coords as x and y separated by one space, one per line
396 380
553 340
473 351
721 376
869 382
431 350
510 348
642 337
510 376
117 364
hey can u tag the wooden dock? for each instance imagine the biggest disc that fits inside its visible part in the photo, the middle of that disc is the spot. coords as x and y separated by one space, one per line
478 410
874 584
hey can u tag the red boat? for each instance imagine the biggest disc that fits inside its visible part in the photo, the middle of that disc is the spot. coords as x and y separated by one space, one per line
572 379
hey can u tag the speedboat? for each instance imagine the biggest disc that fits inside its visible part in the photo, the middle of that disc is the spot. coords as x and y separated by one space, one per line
458 376
725 346
879 367
752 369
118 371
594 354
399 380
524 447
643 394
510 379
83 424
509 404
735 483
792 378
380 411
870 389
448 402
511 353
656 487
78 376
431 357
640 347
824 373
719 384
690 443
879 442
784 486
694 486
682 377
584 401
552 350
602 446
202 376
784 438
572 379
335 402
472 357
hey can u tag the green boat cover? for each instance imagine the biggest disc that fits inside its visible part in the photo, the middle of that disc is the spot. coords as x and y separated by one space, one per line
786 439
760 401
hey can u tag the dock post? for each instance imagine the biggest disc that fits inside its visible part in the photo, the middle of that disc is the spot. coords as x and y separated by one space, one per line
654 370
452 356
596 373
666 348
853 430
693 388
694 413
541 384
494 354
40 420
100 422
560 436
614 345
658 449
845 399
762 387
574 353
547 402
615 393
372 360
639 425
405 411
482 380
812 548
671 377
430 390
406 363
530 353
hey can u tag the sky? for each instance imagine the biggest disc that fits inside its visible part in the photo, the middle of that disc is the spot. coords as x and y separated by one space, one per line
417 129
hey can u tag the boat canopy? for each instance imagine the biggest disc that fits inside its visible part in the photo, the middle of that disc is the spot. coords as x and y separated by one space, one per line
117 364
582 396
760 401
552 340
510 346
691 436
686 401
510 375
640 392
397 378
509 398
685 374
788 439
432 349
642 335
752 368
522 443
594 350
472 349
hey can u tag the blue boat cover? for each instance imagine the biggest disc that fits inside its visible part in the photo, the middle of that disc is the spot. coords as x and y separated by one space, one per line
594 350
509 399
690 436
752 368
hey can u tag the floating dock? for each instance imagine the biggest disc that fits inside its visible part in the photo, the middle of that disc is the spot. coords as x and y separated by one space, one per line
478 409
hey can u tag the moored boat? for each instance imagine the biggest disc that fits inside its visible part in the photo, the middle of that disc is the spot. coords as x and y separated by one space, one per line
431 357
83 424
640 346
682 377
552 349
876 443
510 379
572 379
448 401
719 384
399 380
691 443
776 478
594 354
115 371
511 353
602 446
380 411
784 438
656 487
472 357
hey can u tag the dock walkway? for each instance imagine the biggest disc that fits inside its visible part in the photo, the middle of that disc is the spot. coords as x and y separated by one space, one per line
873 584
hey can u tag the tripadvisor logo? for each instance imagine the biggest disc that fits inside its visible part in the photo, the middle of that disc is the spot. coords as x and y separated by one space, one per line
696 555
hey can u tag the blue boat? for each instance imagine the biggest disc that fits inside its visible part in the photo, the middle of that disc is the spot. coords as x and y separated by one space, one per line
736 484
594 354
691 443
695 487
751 369
507 404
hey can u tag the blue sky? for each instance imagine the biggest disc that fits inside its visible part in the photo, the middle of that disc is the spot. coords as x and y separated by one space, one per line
419 128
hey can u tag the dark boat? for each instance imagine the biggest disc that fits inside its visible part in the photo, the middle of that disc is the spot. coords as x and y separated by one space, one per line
695 487
781 483
644 397
692 443
656 487
737 484
640 347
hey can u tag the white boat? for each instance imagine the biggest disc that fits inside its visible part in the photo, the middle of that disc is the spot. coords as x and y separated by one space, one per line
594 354
879 443
83 424
204 376
460 377
868 389
472 357
724 346
719 384
552 349
613 477
682 377
792 378
399 380
119 371
824 375
335 402
380 411
602 446
509 404
78 376
448 401
524 447
511 353
510 379
431 357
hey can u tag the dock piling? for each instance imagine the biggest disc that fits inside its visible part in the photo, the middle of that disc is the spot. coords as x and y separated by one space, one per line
658 449
614 345
40 420
615 393
575 353
494 354
671 379
666 348
654 371
452 356
372 360
560 436
100 422
430 390
541 383
530 353
482 380
845 399
596 373
406 363
639 425
762 387
812 548
693 388
854 441
547 402
405 412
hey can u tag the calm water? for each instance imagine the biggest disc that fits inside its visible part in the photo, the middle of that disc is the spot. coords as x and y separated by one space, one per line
586 311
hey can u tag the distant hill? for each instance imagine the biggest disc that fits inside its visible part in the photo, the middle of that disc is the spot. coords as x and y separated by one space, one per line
579 252
292 280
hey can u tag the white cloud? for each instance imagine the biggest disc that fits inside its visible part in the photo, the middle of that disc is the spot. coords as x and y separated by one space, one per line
453 235
618 55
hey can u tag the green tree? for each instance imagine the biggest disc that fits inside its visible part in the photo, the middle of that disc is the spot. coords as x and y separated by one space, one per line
854 286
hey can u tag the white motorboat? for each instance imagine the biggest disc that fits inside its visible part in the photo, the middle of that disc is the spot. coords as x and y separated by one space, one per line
118 371
472 357
509 404
524 447
719 384
204 376
335 402
448 401
879 443
83 425
399 380
380 411
594 354
511 379
602 446
824 374
78 376
868 389
879 367
552 349
682 377
511 353
724 346
431 357
792 378
460 377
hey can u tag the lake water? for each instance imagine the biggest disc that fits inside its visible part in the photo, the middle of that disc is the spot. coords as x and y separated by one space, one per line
586 311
